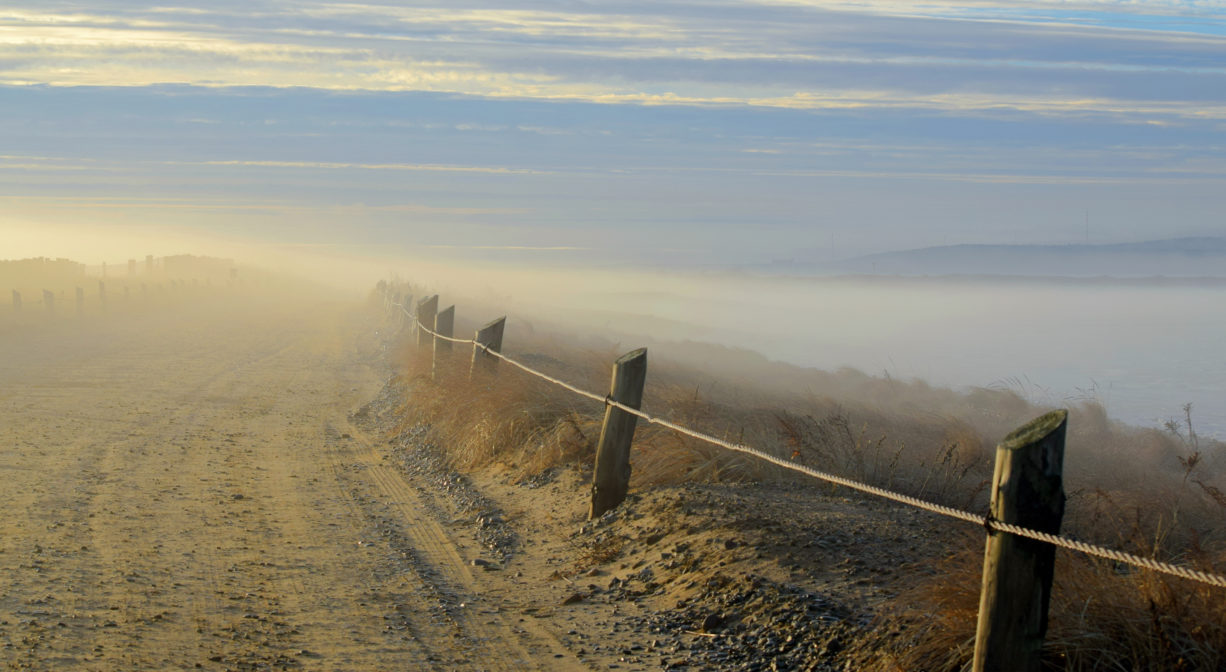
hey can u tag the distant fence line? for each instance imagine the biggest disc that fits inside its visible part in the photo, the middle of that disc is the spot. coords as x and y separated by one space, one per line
82 297
1027 502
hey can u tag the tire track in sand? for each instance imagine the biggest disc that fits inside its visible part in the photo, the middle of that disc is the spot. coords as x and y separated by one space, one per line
483 631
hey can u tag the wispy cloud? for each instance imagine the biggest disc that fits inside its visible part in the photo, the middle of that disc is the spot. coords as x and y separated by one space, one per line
327 165
1058 58
102 203
493 126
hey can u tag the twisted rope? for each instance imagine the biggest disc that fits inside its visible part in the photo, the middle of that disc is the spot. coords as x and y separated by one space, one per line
991 524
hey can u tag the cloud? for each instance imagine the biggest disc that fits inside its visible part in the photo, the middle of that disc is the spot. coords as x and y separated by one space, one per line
1038 57
753 121
434 168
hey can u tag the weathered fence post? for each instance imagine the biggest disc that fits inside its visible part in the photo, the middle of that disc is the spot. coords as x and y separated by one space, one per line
489 336
611 477
16 301
1028 491
426 309
444 325
80 301
49 301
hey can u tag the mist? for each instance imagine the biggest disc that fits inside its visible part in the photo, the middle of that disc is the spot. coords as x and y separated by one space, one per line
1140 349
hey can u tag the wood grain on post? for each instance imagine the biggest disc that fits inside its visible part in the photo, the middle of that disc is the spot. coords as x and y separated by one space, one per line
611 477
444 325
489 336
1028 491
426 309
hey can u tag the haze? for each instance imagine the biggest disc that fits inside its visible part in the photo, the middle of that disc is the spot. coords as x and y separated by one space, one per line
534 156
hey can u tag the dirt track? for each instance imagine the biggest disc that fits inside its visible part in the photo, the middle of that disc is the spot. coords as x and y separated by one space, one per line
182 490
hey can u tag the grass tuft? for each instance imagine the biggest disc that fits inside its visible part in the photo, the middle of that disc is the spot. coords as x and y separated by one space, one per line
1154 492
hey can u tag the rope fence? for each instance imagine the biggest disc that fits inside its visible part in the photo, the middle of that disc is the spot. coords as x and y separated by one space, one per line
986 521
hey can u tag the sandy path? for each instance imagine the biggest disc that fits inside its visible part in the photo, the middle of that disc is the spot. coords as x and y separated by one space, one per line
182 490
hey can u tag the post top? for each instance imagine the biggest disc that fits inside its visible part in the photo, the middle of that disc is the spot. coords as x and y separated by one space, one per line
633 354
493 322
1035 430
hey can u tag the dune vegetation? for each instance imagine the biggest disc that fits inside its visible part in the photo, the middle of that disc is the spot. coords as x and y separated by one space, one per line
1157 492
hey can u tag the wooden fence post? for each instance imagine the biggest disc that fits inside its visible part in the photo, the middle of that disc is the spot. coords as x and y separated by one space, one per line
444 325
426 309
611 477
16 301
1028 491
491 337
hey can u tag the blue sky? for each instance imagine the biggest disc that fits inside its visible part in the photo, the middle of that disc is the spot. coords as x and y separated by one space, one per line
666 133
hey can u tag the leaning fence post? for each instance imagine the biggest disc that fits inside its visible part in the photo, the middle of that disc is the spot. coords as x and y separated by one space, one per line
16 301
444 325
1027 491
488 339
426 309
611 477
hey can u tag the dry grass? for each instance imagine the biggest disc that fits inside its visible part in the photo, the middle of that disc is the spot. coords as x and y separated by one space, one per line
1151 491
1102 617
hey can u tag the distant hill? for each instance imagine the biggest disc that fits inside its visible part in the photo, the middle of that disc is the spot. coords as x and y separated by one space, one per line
1176 257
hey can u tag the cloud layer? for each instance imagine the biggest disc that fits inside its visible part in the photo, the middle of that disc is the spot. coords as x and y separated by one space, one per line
756 127
1038 57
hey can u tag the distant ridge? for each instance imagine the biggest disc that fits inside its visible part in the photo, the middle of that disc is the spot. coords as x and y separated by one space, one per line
1174 257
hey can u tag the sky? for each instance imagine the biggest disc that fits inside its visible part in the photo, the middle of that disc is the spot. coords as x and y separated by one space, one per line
691 133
